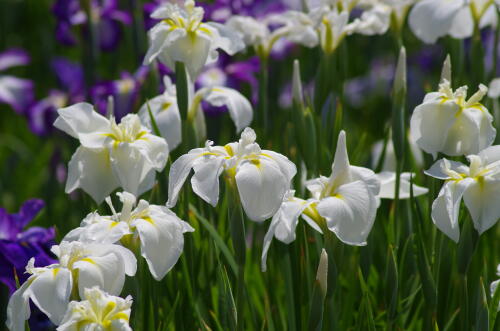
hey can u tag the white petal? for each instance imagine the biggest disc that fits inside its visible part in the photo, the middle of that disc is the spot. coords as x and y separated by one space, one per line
160 39
436 170
350 214
431 19
154 149
388 186
162 241
192 50
205 181
446 207
287 167
463 24
131 168
490 155
50 292
167 118
261 186
239 107
227 39
179 171
494 88
107 272
18 308
90 170
126 257
430 124
341 167
481 198
81 118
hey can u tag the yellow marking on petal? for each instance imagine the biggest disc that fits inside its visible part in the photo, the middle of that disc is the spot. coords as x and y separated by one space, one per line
149 220
113 224
121 316
203 29
165 106
256 162
88 259
229 150
55 271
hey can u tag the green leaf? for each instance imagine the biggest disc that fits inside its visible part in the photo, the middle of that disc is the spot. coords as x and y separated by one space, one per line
153 121
181 83
227 305
219 242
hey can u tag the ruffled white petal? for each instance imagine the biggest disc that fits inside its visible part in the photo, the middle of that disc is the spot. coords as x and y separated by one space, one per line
205 181
239 107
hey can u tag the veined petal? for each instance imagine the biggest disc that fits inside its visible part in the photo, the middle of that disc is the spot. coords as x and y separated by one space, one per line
437 169
162 240
161 38
447 205
350 213
80 120
261 186
481 199
205 181
431 19
167 118
50 292
239 107
90 170
179 171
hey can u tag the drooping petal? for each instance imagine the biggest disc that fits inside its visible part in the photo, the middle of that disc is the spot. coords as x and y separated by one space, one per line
288 168
179 171
130 168
447 205
162 241
18 308
239 107
439 168
481 199
227 40
90 170
431 19
350 213
50 292
160 38
261 186
127 258
388 186
205 181
463 24
107 272
154 149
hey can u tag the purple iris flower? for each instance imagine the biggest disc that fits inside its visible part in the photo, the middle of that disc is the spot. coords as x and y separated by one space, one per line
42 114
106 15
16 92
17 247
125 92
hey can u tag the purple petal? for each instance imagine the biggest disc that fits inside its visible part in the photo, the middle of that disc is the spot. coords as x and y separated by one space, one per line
64 34
70 75
42 114
16 92
12 58
29 210
109 34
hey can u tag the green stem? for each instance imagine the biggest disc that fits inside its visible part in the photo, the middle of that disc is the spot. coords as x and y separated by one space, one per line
237 229
263 111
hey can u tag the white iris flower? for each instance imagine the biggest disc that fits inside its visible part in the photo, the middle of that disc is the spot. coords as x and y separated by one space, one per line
154 230
97 311
80 266
182 36
111 155
478 184
262 177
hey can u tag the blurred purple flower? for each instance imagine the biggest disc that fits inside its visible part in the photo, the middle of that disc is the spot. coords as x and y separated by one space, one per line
42 114
16 92
125 92
105 15
221 10
18 246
